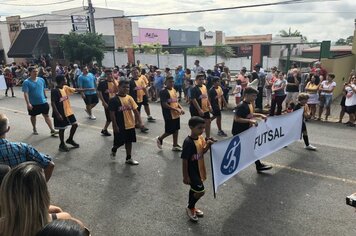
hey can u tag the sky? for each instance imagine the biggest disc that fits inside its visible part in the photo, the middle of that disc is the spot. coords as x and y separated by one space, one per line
322 20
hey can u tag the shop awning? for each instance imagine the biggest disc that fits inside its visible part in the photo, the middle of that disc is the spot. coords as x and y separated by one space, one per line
30 43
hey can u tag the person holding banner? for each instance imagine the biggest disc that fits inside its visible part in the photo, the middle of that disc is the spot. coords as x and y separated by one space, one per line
194 172
245 118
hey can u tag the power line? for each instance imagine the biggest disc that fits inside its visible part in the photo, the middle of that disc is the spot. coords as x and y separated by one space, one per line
35 5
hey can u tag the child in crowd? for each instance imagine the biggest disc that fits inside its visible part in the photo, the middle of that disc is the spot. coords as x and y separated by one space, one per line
237 92
122 107
194 172
302 101
217 101
63 115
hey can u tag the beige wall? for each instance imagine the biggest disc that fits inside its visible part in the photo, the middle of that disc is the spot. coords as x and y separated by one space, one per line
123 32
341 67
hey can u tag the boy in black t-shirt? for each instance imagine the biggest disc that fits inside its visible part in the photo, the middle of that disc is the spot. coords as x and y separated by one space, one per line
245 118
171 110
194 172
302 100
107 88
217 101
122 107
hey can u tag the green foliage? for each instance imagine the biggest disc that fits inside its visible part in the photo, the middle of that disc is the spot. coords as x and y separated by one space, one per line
289 33
224 51
83 47
347 41
198 51
151 48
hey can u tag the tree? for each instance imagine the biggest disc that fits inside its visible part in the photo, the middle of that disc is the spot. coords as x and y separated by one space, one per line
83 47
151 48
289 33
197 51
224 51
347 41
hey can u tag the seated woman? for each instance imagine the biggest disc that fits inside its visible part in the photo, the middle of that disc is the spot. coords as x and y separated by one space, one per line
63 227
25 202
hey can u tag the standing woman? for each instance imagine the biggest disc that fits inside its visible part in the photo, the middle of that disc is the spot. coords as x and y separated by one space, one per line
25 201
278 94
9 79
350 101
312 89
326 89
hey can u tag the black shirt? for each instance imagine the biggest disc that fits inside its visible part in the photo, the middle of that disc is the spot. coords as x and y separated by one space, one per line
292 88
166 98
104 89
242 110
213 98
190 153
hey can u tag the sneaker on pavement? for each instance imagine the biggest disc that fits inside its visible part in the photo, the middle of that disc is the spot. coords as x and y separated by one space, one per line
199 212
63 148
222 133
263 167
105 132
73 143
131 162
191 214
112 155
177 148
144 130
92 117
310 147
35 132
159 142
54 132
151 119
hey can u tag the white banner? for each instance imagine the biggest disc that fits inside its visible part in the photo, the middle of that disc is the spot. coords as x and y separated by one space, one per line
235 154
2 82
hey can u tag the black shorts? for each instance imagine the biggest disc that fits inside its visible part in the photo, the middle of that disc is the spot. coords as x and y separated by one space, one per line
351 109
171 126
197 186
107 115
39 109
216 112
91 99
193 112
124 136
145 100
63 124
343 99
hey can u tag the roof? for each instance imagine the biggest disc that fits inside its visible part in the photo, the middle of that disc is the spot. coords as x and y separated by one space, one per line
300 59
343 48
30 43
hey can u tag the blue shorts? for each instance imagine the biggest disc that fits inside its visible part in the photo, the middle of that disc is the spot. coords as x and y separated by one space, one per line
325 100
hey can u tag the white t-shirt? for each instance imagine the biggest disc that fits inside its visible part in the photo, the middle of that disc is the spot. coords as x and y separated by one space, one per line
350 96
325 85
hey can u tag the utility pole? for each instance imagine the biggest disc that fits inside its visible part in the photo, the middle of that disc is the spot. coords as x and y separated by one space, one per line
91 16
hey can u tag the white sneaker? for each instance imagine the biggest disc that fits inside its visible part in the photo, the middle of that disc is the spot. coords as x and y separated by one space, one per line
131 162
310 147
177 148
92 117
191 214
159 142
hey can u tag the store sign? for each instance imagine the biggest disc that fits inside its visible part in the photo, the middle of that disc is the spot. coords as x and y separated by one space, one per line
209 35
15 27
244 50
147 35
33 24
80 24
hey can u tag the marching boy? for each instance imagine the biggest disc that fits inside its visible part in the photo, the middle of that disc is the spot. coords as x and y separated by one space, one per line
171 110
63 115
302 100
122 109
194 172
245 118
217 101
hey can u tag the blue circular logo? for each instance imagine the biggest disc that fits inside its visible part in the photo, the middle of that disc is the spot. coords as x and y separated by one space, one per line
231 158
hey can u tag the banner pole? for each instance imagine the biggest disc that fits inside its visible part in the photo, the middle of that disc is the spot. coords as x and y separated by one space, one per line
212 172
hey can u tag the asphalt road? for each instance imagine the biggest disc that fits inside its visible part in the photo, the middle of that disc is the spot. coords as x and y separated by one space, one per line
304 194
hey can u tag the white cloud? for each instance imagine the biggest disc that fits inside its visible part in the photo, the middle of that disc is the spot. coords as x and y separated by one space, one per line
325 20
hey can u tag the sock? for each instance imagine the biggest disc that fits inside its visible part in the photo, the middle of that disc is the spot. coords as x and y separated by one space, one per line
114 149
306 140
128 157
192 200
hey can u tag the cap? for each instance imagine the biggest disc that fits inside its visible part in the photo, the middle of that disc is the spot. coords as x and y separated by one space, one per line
243 69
